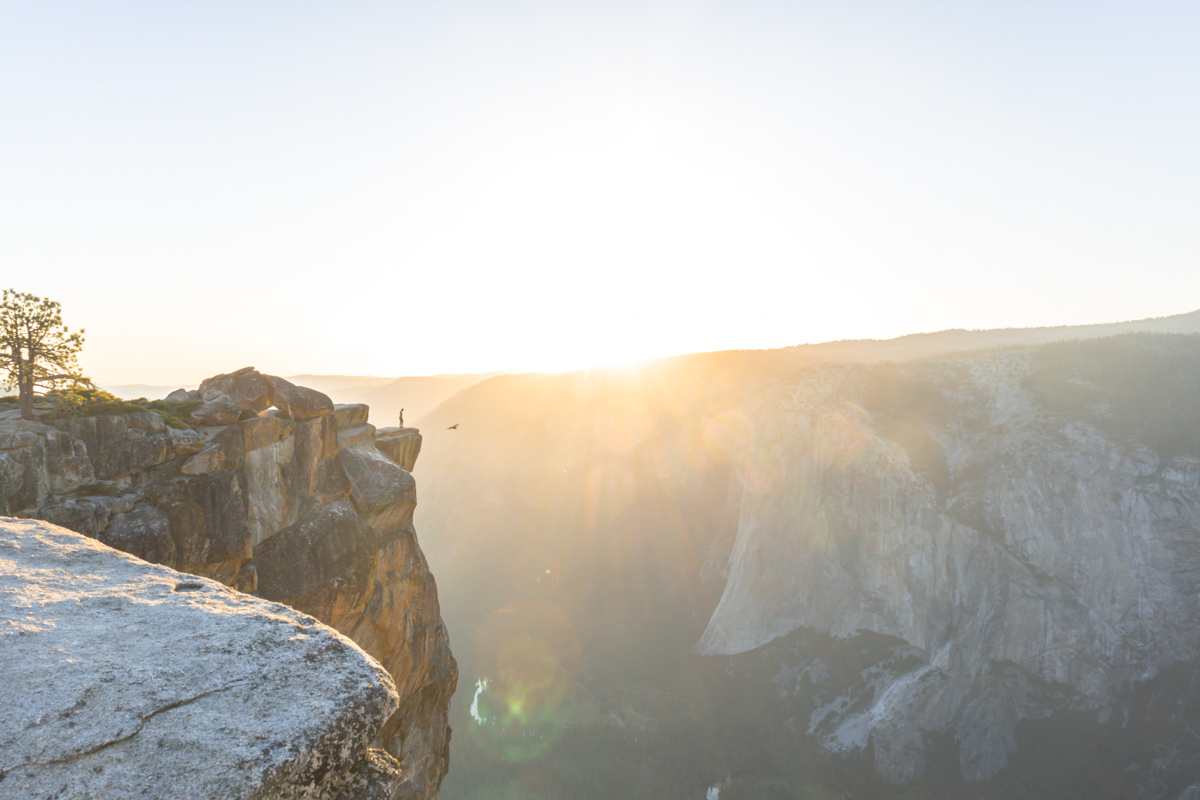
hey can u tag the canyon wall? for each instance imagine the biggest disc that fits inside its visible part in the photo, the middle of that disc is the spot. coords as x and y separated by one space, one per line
1027 523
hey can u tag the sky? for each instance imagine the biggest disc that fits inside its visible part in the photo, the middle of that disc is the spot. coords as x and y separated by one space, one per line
407 188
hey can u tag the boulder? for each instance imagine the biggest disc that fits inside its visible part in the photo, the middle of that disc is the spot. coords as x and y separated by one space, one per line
144 531
185 441
401 445
121 444
207 460
299 401
232 444
23 479
86 515
219 410
179 396
383 493
350 415
246 387
331 550
37 459
264 431
67 463
206 516
360 437
170 686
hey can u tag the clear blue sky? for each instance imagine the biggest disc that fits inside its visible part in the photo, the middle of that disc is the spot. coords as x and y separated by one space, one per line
408 188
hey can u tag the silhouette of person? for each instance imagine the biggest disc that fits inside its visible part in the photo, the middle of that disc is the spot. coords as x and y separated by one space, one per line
402 418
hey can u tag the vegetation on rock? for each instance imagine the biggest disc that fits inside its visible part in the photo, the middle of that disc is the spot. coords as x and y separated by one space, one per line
37 351
85 401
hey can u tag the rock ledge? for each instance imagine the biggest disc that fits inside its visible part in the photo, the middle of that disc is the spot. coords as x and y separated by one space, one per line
123 679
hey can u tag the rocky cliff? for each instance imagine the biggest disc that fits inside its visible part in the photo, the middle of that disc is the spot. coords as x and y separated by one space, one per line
269 488
1025 524
124 679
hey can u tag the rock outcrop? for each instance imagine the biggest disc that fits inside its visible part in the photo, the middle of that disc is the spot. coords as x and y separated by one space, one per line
273 491
124 679
1032 553
401 445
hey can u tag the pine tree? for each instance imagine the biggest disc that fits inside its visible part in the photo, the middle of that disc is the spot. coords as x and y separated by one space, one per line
37 351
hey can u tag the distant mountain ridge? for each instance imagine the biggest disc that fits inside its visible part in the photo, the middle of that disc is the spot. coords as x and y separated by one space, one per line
612 489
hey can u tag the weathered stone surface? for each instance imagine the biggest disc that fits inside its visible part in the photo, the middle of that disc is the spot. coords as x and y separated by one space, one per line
170 686
250 391
384 494
265 431
207 460
219 410
144 532
299 401
185 442
405 600
87 516
351 415
179 396
207 521
384 597
37 459
152 475
121 444
24 481
232 444
401 445
360 437
330 549
320 471
245 387
269 466
67 463
1029 559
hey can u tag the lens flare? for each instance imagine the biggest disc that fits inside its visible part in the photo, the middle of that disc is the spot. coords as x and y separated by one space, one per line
528 657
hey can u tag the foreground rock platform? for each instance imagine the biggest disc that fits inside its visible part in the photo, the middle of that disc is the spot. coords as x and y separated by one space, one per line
123 679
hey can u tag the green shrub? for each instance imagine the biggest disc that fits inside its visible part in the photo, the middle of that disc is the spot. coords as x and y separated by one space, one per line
92 402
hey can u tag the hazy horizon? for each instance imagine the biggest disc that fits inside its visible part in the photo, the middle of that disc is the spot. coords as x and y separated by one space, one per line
398 189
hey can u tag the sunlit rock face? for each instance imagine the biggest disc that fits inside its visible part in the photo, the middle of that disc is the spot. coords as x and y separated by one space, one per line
1029 522
126 680
293 503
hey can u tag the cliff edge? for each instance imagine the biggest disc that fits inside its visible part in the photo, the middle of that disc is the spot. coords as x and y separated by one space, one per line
124 679
269 488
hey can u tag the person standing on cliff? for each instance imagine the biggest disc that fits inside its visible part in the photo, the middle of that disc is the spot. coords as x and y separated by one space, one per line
402 418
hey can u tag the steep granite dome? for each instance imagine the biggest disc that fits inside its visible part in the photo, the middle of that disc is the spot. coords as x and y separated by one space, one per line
275 491
127 680
1027 522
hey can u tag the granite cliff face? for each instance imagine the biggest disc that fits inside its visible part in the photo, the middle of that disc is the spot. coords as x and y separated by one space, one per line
276 492
1027 523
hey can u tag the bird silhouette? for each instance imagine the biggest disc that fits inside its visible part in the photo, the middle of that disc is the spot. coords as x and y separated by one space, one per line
453 427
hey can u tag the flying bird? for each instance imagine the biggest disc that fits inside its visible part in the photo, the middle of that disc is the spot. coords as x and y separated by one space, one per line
453 427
